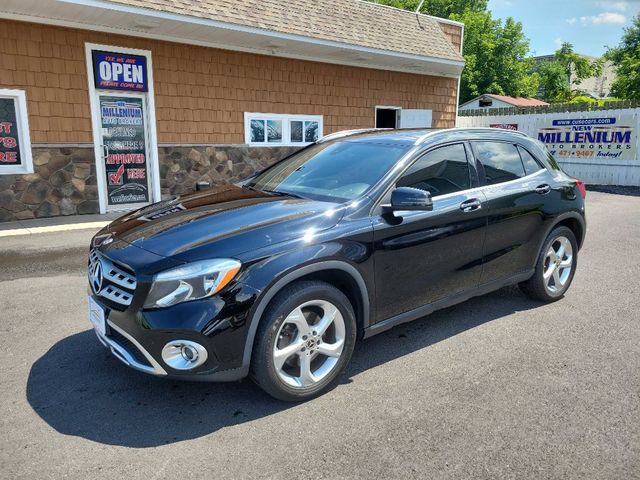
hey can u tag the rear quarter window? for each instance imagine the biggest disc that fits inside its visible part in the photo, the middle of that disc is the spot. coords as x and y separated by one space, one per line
531 165
545 152
501 161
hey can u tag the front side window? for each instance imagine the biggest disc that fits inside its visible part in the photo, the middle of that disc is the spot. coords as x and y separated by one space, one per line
501 161
333 171
440 171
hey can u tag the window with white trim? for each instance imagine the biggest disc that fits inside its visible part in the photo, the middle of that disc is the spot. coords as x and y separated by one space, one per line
276 129
15 143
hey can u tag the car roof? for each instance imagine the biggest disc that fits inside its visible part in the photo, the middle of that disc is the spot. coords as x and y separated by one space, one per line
423 136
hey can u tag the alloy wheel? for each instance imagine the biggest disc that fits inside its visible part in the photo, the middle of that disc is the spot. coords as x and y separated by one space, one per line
558 263
309 343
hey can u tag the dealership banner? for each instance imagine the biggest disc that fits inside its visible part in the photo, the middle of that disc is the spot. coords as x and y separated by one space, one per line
119 71
596 139
598 146
125 152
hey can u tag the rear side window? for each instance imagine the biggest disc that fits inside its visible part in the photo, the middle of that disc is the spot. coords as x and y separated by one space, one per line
440 171
501 161
531 165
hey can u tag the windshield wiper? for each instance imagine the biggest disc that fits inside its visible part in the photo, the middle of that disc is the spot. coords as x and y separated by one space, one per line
273 192
283 194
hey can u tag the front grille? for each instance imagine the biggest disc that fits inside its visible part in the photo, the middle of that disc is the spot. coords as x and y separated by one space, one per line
110 280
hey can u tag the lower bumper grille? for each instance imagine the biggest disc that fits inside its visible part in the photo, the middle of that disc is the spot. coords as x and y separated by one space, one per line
129 352
130 347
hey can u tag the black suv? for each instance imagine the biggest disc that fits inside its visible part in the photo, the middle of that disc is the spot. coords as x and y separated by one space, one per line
277 277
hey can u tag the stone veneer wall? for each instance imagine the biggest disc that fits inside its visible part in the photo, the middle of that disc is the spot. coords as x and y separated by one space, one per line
63 183
181 167
64 178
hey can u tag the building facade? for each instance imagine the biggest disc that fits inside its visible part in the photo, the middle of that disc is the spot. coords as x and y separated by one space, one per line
115 104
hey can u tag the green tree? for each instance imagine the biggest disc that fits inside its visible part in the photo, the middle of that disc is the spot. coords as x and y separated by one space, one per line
559 76
496 55
576 66
626 58
438 8
554 82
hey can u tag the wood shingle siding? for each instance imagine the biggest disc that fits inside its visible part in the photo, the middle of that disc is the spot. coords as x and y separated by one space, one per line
202 93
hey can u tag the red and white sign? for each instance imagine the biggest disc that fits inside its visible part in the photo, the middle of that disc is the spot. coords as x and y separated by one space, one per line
506 126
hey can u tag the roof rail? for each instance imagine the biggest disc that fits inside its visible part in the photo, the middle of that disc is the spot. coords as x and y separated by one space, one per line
347 133
424 137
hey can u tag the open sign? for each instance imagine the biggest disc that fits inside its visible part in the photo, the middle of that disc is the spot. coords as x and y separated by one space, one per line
119 71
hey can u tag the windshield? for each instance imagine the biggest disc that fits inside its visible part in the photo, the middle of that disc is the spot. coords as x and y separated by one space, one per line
335 171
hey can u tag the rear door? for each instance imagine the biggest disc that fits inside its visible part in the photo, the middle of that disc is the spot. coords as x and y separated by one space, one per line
424 256
517 189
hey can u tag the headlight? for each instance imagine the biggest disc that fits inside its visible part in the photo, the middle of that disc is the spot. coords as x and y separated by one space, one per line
191 282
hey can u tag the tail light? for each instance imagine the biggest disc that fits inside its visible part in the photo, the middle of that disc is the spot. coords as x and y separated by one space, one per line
581 187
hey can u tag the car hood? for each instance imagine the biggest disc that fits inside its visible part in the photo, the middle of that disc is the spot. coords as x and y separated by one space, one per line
223 222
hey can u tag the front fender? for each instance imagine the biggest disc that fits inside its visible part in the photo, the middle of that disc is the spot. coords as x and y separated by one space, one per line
270 275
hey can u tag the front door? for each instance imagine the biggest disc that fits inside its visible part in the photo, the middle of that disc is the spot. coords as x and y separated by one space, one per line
124 146
423 257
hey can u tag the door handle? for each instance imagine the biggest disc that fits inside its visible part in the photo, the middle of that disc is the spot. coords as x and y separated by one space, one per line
470 205
543 189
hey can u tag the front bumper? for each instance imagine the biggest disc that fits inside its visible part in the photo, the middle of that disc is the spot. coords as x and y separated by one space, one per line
136 336
126 355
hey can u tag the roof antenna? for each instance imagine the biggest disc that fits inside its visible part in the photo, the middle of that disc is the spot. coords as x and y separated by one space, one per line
418 13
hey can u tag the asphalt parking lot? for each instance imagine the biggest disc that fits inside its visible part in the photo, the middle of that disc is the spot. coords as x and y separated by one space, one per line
498 387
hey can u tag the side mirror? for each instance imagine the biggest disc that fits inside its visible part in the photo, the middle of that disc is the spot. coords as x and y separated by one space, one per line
408 198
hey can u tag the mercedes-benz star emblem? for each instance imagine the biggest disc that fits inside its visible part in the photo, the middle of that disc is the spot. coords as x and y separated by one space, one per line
95 276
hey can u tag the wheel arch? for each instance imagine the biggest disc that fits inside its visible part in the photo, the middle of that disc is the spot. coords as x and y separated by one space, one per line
576 225
572 220
342 275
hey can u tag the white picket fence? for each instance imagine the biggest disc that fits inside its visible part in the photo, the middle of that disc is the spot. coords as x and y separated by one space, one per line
599 147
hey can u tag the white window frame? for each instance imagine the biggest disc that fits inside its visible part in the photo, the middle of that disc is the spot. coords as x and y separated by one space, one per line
24 138
286 130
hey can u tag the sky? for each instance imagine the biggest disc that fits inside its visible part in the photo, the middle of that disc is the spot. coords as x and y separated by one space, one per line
590 25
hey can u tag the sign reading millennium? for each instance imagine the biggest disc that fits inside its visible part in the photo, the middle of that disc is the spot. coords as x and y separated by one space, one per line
125 150
590 138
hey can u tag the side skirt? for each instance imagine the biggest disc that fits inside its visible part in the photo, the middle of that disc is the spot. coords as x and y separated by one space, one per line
445 302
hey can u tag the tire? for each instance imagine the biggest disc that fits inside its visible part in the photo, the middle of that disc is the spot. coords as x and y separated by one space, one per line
289 361
552 286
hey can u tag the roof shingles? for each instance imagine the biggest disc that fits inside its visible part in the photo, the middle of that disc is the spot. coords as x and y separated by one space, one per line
354 22
518 101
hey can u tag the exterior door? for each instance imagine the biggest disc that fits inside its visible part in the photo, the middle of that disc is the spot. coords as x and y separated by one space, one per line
126 172
516 191
421 257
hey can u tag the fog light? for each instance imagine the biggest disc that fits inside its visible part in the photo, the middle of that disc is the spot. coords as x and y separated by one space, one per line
184 354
